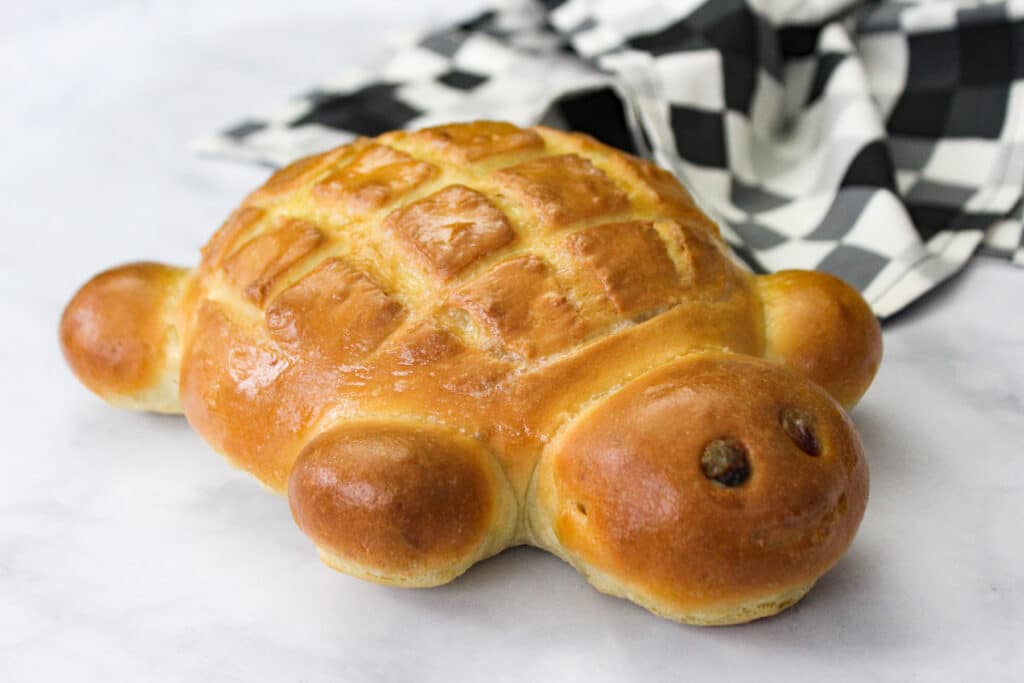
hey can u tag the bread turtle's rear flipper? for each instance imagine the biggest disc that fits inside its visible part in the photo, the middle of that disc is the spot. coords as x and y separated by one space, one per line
118 335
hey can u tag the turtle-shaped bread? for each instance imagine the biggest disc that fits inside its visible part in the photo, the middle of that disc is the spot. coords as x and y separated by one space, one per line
443 343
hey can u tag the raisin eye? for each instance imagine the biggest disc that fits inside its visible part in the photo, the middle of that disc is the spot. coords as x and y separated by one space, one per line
799 426
725 461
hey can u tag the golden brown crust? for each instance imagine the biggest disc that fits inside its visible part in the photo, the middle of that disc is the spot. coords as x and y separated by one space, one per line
399 502
335 312
117 334
373 178
821 327
302 172
450 229
623 494
482 298
561 190
247 397
632 263
239 224
478 140
522 306
256 266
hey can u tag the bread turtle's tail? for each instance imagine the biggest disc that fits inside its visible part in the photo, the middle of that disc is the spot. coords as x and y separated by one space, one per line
118 334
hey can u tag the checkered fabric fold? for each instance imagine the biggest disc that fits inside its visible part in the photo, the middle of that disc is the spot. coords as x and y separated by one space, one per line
881 142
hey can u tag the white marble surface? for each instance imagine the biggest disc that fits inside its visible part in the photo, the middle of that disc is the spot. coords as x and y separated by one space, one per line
129 551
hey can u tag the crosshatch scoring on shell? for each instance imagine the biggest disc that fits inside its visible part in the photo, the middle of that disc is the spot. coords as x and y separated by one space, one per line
875 141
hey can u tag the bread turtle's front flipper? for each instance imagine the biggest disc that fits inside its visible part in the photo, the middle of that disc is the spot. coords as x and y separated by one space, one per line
819 326
118 335
401 504
713 490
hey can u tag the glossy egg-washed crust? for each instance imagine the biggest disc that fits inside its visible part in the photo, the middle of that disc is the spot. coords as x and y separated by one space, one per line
442 343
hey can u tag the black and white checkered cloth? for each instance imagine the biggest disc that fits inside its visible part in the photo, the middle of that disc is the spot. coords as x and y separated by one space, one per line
881 142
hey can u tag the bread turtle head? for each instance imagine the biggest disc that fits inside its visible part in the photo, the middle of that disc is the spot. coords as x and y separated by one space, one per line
428 339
